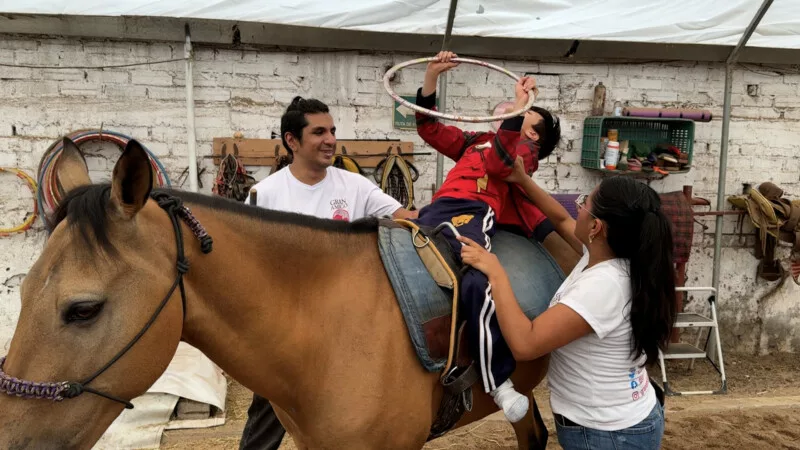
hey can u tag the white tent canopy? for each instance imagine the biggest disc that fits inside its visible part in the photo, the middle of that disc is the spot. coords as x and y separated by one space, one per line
711 22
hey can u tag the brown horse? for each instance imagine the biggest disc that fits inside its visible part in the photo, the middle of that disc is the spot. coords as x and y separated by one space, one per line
297 309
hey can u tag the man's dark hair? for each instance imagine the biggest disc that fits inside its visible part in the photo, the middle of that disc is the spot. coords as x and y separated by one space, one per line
549 131
294 119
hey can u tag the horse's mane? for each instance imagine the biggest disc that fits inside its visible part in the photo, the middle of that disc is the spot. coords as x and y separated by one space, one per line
86 207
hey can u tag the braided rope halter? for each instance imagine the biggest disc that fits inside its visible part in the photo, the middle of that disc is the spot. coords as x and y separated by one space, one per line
58 391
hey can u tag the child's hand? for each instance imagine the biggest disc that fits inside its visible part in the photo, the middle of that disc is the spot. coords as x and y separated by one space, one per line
442 63
525 87
518 175
480 258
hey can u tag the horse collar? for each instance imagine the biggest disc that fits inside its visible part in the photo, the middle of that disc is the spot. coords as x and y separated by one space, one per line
69 389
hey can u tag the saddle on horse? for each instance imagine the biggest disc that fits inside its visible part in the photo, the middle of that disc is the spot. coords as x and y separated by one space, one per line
775 218
425 276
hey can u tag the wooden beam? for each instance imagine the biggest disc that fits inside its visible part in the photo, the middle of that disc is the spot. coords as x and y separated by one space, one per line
262 152
270 37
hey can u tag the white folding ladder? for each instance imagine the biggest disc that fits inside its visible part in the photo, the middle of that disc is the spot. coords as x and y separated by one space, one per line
681 350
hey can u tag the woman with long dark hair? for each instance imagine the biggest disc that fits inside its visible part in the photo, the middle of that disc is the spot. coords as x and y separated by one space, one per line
608 319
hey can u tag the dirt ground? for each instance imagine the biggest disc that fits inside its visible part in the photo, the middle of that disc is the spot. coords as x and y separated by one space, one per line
760 410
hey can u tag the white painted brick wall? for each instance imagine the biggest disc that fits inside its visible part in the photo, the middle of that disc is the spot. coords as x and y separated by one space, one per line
248 91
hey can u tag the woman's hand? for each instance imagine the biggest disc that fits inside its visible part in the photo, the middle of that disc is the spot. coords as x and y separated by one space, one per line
480 258
518 175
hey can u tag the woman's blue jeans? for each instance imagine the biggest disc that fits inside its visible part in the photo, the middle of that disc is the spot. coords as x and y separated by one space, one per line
645 435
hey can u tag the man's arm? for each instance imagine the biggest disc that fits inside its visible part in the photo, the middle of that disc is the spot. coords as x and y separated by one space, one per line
403 213
379 203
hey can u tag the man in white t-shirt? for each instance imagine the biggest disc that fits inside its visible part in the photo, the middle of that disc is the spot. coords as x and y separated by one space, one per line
311 185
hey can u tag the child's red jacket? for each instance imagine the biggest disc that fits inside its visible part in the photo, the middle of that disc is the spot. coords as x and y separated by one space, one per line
483 159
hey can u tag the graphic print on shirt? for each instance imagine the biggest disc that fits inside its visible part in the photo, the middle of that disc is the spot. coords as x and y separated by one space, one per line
339 208
638 380
462 220
482 182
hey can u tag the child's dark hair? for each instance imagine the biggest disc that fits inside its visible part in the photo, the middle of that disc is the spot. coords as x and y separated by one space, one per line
294 119
549 131
639 231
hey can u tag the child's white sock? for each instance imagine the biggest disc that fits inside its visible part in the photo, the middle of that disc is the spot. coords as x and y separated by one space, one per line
514 404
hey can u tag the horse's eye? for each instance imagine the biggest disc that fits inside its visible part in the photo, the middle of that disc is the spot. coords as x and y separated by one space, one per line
83 311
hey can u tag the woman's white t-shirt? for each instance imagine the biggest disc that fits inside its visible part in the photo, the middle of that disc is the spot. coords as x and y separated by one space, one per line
593 380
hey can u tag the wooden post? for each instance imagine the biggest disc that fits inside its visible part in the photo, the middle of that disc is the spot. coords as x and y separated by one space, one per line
253 194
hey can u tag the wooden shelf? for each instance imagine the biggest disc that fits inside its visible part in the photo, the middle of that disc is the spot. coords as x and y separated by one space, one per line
640 174
262 152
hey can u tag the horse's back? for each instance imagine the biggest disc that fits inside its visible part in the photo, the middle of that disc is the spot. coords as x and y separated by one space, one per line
427 308
534 274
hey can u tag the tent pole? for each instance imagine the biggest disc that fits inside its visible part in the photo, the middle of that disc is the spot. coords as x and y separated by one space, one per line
443 87
726 119
191 139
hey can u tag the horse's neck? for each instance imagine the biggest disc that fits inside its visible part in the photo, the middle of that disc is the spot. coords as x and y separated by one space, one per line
259 303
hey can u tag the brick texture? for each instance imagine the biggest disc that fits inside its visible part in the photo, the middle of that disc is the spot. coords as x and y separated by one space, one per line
248 90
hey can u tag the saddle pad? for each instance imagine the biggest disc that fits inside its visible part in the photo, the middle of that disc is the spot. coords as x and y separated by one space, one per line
426 307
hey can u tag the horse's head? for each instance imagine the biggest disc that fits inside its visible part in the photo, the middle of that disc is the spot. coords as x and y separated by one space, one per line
107 266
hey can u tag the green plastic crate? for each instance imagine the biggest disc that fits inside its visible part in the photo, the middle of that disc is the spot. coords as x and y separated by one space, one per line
678 132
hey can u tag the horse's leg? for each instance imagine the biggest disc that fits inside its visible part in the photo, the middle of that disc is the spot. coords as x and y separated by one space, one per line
291 428
529 432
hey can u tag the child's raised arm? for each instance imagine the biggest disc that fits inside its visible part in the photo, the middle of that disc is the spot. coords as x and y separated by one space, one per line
562 221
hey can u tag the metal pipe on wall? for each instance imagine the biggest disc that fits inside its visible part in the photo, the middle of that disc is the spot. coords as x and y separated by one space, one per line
726 119
451 15
190 127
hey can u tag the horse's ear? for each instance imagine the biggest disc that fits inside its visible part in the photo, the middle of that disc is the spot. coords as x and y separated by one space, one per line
131 180
71 170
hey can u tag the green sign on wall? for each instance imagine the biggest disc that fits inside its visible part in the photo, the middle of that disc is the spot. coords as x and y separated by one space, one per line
403 116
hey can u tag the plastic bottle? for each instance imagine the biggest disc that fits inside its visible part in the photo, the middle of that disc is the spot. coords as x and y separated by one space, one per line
617 109
599 100
612 155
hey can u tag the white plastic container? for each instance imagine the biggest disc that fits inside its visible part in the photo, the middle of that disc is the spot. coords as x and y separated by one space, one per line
612 155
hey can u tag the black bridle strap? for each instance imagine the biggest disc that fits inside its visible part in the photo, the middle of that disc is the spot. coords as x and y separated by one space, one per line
70 389
172 206
76 389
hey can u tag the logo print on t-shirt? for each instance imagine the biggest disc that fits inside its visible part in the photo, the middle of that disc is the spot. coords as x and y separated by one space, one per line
637 380
341 214
339 208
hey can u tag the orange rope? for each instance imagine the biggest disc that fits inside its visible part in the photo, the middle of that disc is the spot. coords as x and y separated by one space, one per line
31 218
